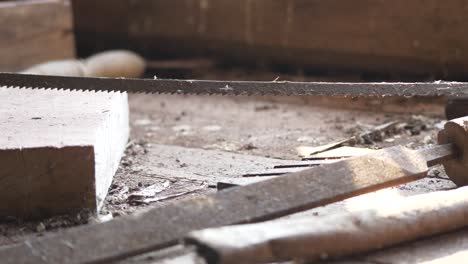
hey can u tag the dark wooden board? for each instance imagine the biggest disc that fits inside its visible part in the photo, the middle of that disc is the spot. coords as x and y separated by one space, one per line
416 36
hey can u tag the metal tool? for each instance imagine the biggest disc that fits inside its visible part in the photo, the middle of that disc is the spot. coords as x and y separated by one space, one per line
454 89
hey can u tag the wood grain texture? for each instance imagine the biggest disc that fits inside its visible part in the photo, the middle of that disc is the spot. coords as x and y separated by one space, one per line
32 32
58 150
163 226
422 37
311 238
456 132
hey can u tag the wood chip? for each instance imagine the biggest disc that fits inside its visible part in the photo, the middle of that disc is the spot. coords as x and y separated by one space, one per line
339 153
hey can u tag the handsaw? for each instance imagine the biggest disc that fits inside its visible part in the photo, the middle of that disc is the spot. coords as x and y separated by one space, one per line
163 226
169 86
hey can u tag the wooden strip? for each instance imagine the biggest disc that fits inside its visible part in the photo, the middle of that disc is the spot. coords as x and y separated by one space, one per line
163 226
305 151
341 152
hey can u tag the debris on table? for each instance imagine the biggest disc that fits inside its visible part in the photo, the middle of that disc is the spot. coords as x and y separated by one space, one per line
339 153
367 137
305 151
148 192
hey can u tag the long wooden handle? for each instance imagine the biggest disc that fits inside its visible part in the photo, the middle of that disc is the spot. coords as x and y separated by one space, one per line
313 238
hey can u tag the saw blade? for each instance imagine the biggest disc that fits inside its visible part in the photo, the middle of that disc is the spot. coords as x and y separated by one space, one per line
233 87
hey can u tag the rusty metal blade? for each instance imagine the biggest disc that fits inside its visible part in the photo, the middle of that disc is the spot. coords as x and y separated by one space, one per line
165 225
232 87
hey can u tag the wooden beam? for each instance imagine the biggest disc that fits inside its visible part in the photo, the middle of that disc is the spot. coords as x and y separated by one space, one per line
419 37
33 32
58 150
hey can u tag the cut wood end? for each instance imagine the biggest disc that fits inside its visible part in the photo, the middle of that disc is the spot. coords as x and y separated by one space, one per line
456 132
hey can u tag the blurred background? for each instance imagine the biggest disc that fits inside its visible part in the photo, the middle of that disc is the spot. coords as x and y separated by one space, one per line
360 40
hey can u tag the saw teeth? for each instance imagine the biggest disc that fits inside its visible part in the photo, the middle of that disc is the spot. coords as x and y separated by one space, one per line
230 88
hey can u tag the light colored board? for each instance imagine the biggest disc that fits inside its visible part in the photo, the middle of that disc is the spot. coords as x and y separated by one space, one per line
58 150
341 152
304 151
35 31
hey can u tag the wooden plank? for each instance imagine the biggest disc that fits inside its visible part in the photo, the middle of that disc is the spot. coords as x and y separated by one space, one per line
419 37
58 150
33 32
163 226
